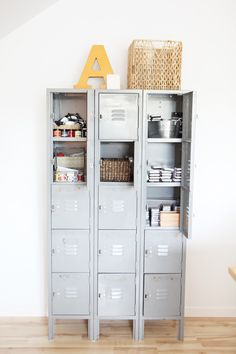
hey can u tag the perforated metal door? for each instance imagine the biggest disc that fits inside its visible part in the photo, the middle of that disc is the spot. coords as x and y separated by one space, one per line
189 121
118 113
116 294
117 251
70 207
117 207
162 295
70 251
163 251
70 294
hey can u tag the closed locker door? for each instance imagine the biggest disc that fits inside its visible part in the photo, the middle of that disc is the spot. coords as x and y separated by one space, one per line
118 116
162 295
116 294
70 294
70 251
117 207
117 251
70 207
163 251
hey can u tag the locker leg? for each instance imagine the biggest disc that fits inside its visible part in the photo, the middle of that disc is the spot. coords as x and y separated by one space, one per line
90 330
181 329
141 329
135 330
96 329
51 324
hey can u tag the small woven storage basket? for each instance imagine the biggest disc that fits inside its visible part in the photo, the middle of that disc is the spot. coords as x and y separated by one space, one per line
116 170
155 65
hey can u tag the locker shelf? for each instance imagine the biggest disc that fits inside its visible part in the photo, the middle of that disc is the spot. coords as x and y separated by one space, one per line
162 140
116 184
70 139
69 183
164 184
161 228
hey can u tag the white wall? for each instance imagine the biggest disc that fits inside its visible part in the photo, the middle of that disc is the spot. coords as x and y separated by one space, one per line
50 51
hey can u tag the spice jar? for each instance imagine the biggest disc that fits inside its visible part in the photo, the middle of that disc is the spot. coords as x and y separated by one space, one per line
64 133
71 133
56 132
78 133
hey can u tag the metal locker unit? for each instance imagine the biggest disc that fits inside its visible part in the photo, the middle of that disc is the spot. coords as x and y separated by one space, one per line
70 250
163 251
70 206
118 115
116 295
117 251
162 295
163 239
70 293
117 208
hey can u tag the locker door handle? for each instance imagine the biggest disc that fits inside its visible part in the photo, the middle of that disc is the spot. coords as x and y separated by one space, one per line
99 295
53 208
100 207
145 296
100 116
99 251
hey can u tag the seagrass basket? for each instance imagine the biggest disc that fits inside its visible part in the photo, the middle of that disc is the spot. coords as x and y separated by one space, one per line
116 170
155 65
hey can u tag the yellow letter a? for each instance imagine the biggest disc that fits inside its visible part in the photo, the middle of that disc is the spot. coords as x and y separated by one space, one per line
98 53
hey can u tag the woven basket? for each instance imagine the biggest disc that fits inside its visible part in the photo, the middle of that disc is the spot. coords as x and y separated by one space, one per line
155 65
116 170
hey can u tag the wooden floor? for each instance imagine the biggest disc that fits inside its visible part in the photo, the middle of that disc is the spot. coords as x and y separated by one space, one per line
24 336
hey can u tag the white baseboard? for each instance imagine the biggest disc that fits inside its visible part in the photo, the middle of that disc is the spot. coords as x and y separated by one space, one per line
210 312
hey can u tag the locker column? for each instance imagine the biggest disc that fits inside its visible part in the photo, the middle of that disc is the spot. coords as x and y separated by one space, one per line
166 205
117 207
70 208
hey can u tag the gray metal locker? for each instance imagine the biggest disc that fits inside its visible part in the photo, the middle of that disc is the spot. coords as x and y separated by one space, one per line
117 207
117 250
70 207
116 295
70 294
163 244
162 295
163 251
70 251
118 116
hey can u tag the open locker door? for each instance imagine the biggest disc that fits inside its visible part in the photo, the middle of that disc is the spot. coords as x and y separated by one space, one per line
189 118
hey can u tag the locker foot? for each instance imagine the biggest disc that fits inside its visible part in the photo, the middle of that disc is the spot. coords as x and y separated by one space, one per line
135 330
96 330
181 330
141 329
51 324
90 330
